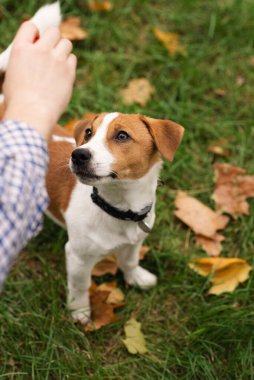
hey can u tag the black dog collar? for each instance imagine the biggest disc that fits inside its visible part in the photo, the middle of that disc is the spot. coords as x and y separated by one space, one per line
129 215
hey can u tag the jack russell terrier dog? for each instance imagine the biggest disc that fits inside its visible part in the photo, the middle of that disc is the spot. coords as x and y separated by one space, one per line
102 188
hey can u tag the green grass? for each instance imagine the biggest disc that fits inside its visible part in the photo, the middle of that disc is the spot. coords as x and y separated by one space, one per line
190 335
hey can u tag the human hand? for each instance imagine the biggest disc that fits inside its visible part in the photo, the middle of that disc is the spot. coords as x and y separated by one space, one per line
39 78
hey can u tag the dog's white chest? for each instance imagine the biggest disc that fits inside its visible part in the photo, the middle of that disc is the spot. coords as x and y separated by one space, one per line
92 231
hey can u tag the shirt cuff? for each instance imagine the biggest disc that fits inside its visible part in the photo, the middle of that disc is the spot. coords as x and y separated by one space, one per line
18 137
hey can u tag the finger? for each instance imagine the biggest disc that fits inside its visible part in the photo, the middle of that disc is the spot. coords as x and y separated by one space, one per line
63 48
28 32
72 62
50 38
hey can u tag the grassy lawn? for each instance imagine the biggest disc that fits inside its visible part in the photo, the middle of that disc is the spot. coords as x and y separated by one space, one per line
190 335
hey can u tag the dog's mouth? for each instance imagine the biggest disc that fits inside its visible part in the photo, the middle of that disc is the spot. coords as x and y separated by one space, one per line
88 177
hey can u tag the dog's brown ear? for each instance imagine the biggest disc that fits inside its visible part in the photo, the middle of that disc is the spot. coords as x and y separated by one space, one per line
167 135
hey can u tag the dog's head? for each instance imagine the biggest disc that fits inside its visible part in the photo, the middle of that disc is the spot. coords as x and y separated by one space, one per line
115 146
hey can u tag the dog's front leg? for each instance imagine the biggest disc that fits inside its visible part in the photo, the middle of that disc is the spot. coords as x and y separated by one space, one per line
79 270
134 274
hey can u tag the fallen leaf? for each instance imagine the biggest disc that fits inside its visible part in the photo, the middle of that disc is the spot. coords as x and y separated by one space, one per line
219 148
232 189
171 42
104 299
138 91
100 6
143 252
70 28
212 246
109 265
116 296
106 266
135 341
240 80
220 92
225 273
200 218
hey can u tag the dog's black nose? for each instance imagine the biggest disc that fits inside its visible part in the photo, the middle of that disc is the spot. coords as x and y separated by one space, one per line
81 156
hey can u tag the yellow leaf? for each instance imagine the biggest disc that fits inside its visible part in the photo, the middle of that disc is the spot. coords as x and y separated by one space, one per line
138 91
135 341
171 42
225 273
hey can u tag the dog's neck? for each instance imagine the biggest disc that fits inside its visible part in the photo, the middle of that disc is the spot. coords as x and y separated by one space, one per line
132 194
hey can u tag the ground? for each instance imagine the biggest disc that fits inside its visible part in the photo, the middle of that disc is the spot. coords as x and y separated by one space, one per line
189 334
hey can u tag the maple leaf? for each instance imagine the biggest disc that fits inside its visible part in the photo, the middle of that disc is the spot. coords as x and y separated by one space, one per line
70 28
135 341
212 246
138 91
225 273
100 6
171 42
200 218
104 299
232 188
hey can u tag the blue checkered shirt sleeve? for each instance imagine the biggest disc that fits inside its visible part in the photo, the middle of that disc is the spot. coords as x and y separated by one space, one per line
23 197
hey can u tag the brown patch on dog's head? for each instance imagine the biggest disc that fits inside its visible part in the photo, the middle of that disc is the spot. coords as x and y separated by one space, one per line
136 154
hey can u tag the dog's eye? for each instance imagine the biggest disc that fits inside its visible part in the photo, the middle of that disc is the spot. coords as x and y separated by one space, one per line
122 136
88 134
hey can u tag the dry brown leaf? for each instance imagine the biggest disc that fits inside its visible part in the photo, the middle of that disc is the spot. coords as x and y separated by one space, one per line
116 296
143 252
171 42
104 299
226 273
200 218
240 80
107 265
212 246
232 189
219 148
70 28
220 92
100 5
138 91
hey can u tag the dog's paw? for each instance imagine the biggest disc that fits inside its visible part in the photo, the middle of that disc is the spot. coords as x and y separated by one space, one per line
81 315
140 277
